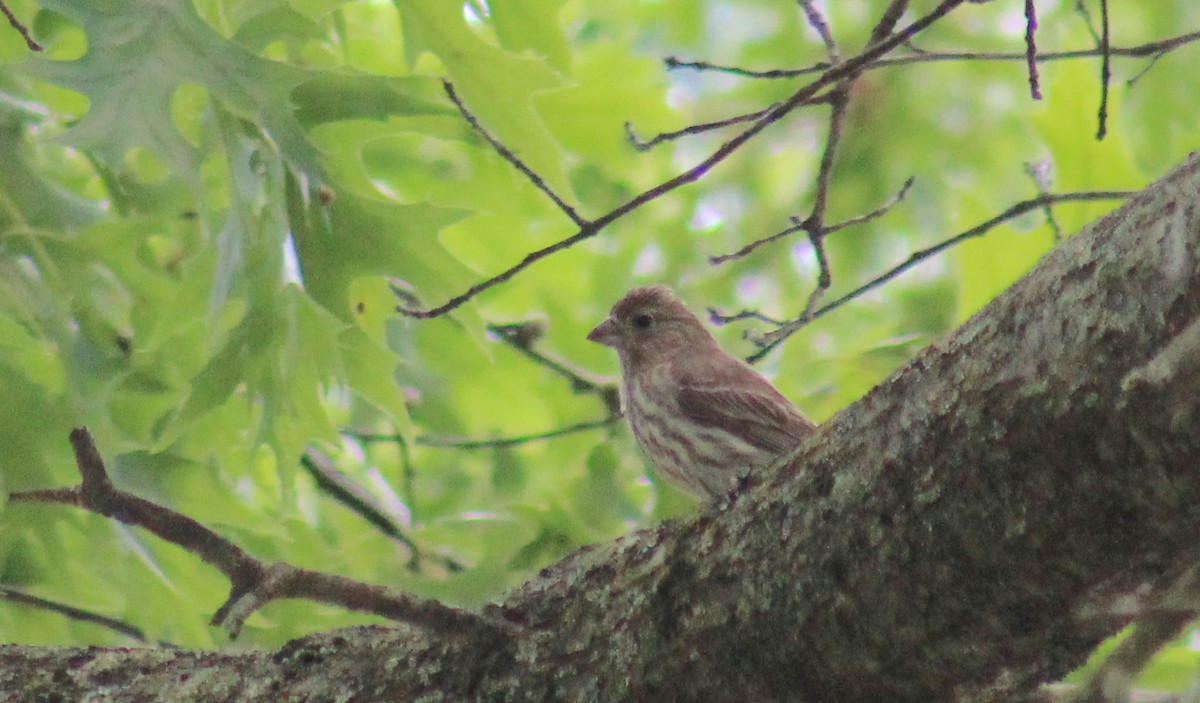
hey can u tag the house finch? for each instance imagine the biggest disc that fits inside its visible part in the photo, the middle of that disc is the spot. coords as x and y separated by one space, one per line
702 416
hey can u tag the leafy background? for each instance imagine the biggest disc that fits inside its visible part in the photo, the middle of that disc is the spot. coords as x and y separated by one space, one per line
207 210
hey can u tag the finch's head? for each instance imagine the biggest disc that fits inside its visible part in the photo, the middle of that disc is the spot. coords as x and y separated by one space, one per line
649 321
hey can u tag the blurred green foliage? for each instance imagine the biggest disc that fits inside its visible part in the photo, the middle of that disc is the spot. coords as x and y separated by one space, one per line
206 209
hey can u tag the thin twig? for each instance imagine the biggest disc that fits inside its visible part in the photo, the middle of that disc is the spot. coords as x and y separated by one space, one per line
814 224
824 276
1145 69
466 443
510 157
888 20
837 98
671 63
769 341
408 478
646 145
1105 72
443 442
798 226
817 21
73 613
719 318
1031 52
344 490
1151 49
877 212
339 486
840 99
851 67
20 27
521 339
1039 173
1082 10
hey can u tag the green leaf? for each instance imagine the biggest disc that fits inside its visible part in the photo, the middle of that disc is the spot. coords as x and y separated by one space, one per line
532 25
509 476
371 372
356 236
279 22
140 52
224 372
331 97
31 198
36 358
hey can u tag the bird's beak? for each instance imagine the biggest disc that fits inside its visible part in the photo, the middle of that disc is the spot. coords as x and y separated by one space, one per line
605 333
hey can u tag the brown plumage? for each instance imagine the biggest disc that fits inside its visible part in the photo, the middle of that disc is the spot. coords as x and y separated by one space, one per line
702 416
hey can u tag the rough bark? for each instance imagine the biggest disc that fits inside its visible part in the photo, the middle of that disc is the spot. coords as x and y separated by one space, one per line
972 527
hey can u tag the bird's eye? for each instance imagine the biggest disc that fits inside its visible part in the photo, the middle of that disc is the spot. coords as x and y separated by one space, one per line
643 321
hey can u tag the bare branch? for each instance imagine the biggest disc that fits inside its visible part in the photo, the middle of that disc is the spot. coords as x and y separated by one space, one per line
1031 52
442 442
463 443
253 583
646 145
772 339
1105 72
815 223
1154 50
798 226
1086 15
721 318
341 488
817 21
672 63
1145 69
523 337
510 157
1039 173
877 212
519 337
20 27
888 20
824 276
851 67
17 596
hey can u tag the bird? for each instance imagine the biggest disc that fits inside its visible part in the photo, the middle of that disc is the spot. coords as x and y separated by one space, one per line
703 417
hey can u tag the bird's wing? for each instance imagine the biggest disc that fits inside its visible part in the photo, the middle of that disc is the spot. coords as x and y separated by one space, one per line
732 396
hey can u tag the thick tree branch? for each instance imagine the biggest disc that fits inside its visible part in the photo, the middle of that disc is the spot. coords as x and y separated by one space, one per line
971 528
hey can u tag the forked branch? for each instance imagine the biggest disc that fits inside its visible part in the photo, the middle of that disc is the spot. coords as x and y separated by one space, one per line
253 583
